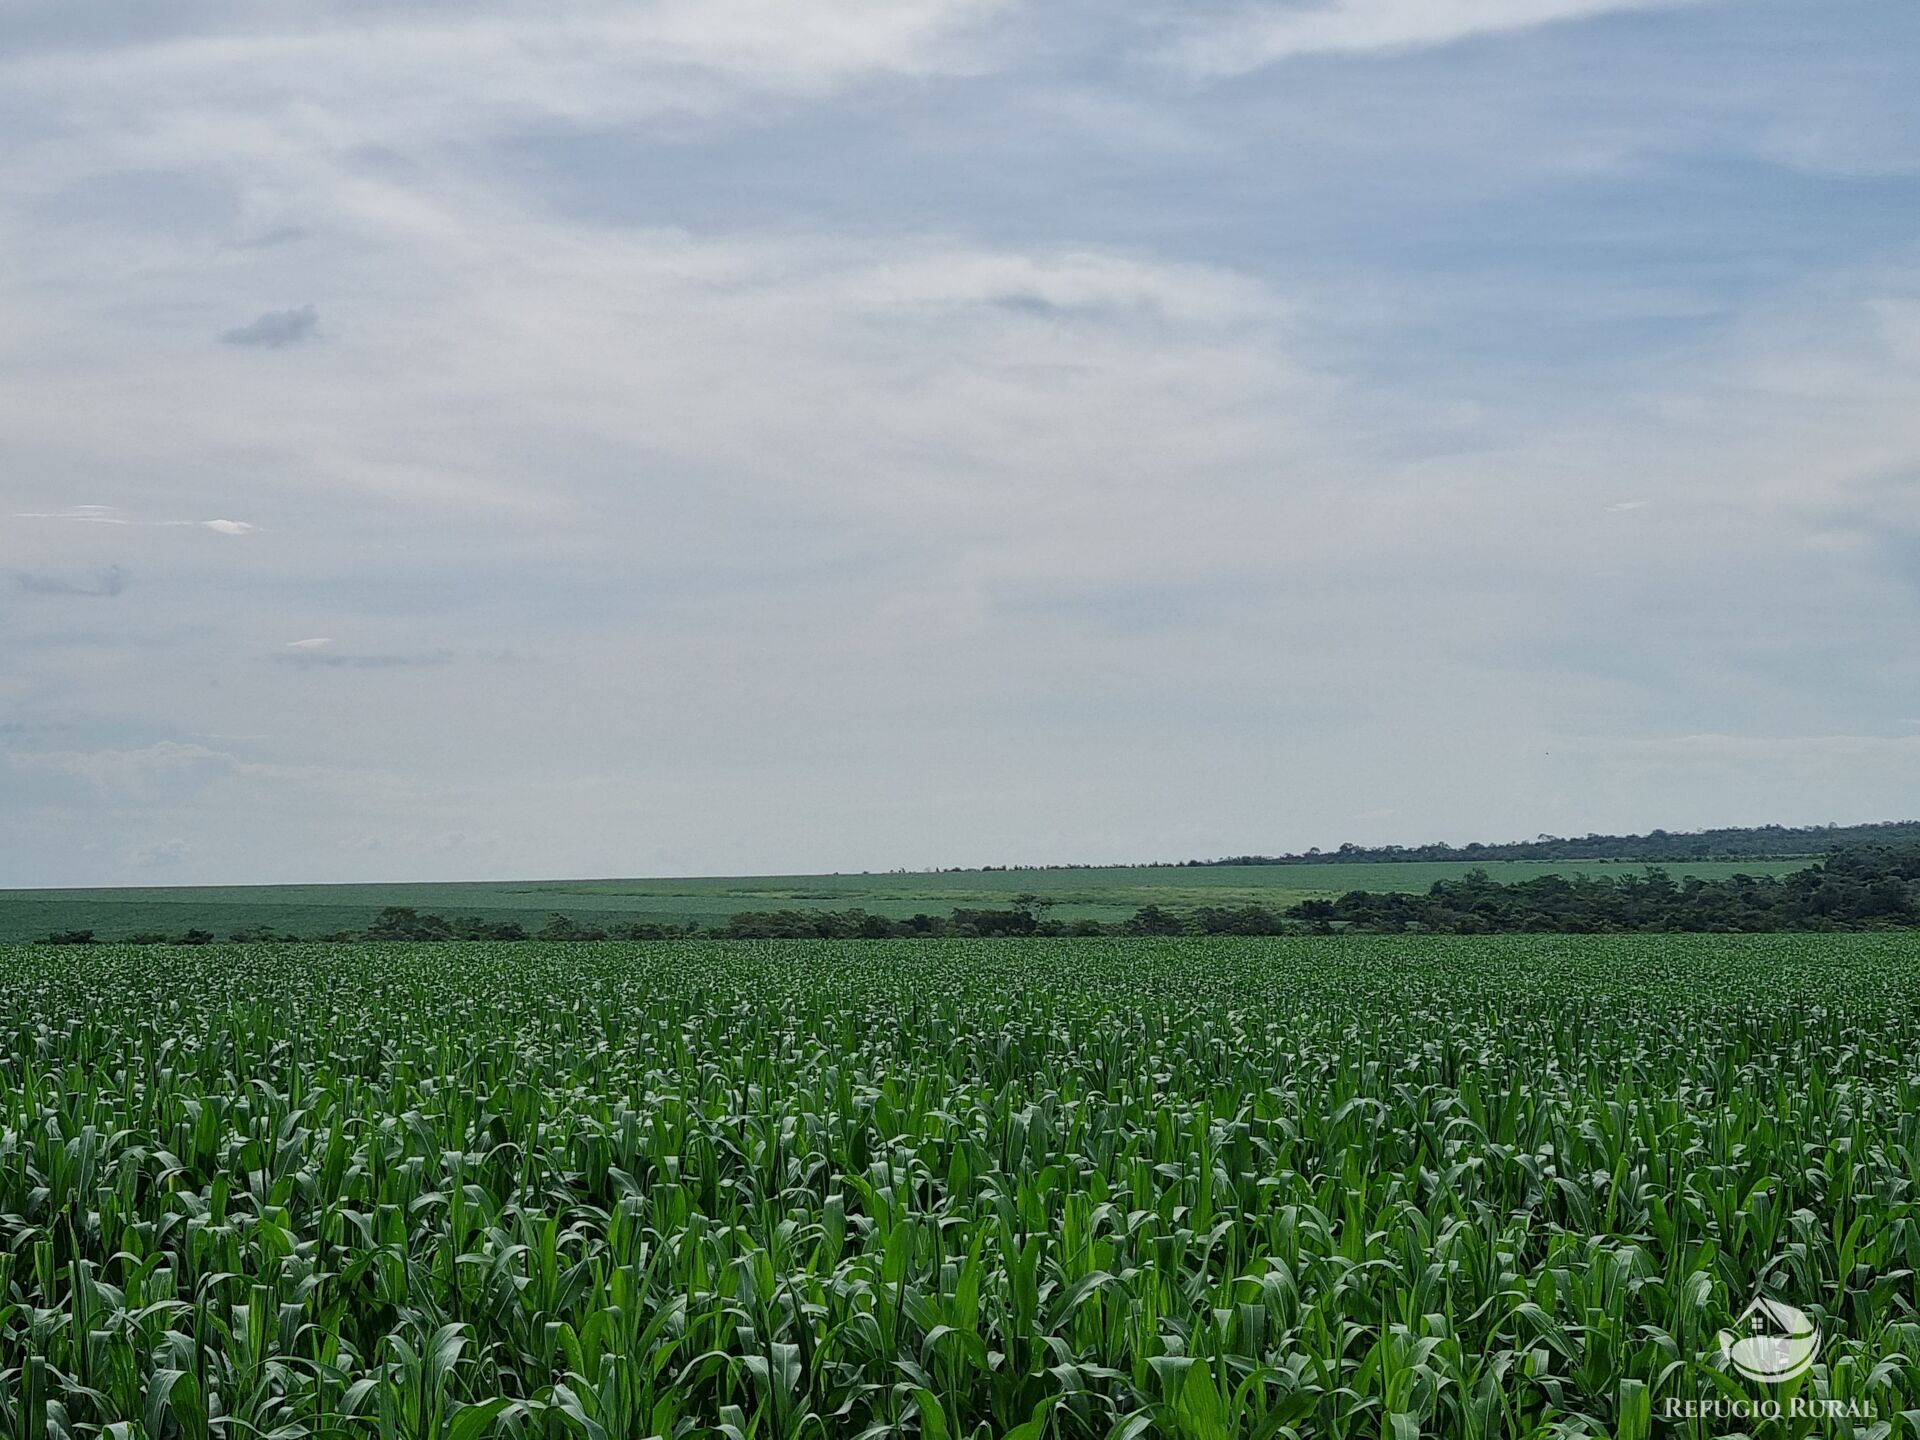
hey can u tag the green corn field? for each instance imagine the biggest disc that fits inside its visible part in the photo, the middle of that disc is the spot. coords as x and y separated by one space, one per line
1078 1188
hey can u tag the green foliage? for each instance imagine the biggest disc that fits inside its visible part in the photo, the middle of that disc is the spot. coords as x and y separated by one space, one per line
1045 1189
1868 888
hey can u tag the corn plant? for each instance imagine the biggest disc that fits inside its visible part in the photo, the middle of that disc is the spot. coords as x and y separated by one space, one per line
1039 1190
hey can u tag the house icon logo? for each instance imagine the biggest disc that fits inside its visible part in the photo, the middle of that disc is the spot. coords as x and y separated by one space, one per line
1771 1342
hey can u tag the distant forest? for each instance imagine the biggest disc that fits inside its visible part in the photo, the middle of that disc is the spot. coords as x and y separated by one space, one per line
1864 888
1739 842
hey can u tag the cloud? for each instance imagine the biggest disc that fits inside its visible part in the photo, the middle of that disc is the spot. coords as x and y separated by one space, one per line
159 853
1263 34
275 330
161 779
311 657
320 80
113 515
161 762
1620 507
101 584
686 348
314 643
446 842
93 515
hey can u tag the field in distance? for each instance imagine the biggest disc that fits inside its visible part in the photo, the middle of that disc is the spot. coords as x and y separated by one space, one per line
1096 894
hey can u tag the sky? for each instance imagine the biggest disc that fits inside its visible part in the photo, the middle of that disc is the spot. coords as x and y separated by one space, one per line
781 436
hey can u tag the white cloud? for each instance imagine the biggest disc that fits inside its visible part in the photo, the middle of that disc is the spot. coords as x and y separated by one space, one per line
327 84
112 515
1265 33
1069 489
977 366
93 515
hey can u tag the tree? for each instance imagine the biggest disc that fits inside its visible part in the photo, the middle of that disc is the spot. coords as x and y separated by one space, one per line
1153 920
562 927
403 922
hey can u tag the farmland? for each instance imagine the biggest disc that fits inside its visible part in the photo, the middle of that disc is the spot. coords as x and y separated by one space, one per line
1110 893
1320 1187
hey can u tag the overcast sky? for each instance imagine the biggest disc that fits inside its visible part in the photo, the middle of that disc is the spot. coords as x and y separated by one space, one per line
725 436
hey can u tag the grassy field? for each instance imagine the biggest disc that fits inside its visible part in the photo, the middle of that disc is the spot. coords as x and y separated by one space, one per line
1105 894
1093 1190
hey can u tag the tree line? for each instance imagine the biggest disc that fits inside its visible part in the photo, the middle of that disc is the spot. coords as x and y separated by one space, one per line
1864 888
1743 842
1024 915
